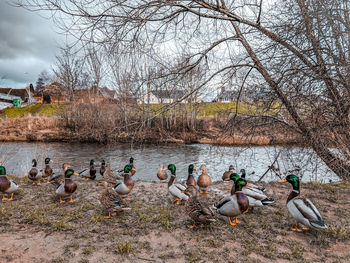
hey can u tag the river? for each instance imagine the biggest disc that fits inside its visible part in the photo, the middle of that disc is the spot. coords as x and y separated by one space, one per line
302 161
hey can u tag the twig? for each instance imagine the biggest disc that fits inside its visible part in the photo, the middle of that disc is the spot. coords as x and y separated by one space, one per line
270 167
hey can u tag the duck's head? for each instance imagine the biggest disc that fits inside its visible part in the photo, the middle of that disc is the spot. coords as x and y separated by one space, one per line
191 168
234 177
47 160
103 162
231 168
34 163
127 168
65 166
191 191
242 171
69 172
2 171
92 162
203 167
172 169
131 160
293 180
239 184
161 166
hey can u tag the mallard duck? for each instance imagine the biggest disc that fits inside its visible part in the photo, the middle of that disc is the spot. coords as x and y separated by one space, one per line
89 173
6 186
112 201
198 212
57 179
48 170
176 189
109 176
190 178
34 174
132 163
124 188
302 209
243 175
227 174
103 168
67 187
256 197
161 174
234 205
204 180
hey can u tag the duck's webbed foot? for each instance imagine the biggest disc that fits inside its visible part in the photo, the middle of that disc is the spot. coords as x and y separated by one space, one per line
296 229
192 226
231 223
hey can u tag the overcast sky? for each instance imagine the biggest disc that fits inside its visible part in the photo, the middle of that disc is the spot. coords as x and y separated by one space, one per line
28 44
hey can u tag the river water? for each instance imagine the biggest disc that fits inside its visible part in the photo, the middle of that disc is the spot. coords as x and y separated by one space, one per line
302 161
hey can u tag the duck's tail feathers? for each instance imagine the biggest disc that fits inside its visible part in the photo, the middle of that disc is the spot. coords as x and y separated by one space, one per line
318 224
211 219
267 201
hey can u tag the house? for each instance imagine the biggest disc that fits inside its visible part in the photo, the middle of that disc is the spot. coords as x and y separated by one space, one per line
227 96
24 94
53 93
167 96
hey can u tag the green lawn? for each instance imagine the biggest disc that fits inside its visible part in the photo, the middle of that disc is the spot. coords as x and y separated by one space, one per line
36 109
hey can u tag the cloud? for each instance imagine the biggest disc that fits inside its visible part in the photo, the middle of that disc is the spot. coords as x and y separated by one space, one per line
28 45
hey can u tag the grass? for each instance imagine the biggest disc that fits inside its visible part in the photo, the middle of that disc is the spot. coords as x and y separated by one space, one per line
124 248
46 110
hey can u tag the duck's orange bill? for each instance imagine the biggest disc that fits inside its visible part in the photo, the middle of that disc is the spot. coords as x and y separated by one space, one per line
283 180
75 173
227 179
249 185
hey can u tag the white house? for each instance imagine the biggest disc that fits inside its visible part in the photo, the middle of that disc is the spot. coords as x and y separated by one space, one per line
167 96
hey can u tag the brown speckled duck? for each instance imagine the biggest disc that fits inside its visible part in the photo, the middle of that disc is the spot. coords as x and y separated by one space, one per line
161 174
48 170
109 176
197 210
204 180
6 186
190 178
112 201
227 174
124 188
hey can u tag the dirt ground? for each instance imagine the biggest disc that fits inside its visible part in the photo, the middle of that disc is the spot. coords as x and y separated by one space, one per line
36 228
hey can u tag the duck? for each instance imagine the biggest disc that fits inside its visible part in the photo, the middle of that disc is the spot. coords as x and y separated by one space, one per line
227 174
109 176
34 174
48 170
176 189
302 209
256 197
67 187
190 178
132 163
124 187
7 186
103 168
197 210
243 175
89 173
234 205
57 179
204 180
111 201
161 174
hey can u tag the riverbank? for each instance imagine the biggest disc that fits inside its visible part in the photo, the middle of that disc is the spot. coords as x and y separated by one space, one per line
210 131
36 228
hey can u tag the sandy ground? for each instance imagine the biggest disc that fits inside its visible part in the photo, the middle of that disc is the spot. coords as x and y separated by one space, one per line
36 228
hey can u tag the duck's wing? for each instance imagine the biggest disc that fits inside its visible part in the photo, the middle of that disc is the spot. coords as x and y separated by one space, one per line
254 193
177 191
85 172
180 187
223 201
309 211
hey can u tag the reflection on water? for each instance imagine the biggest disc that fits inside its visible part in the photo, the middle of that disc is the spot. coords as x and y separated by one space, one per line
303 162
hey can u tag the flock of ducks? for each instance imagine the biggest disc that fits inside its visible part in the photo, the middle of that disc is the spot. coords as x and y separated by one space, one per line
116 189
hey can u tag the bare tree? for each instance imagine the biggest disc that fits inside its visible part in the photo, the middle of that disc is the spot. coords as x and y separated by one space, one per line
299 49
69 71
